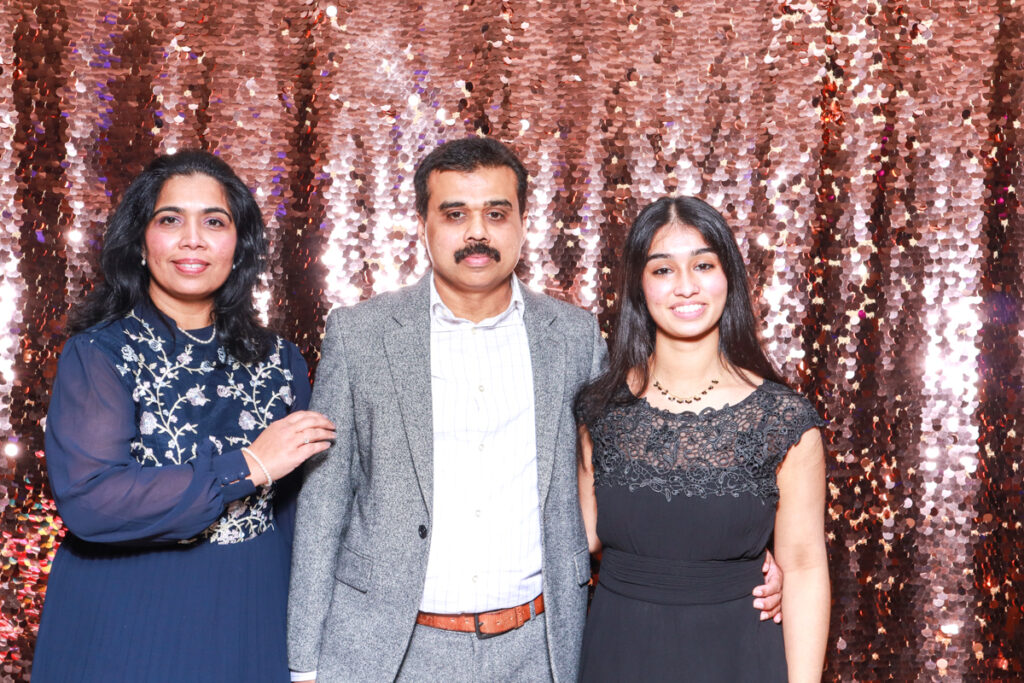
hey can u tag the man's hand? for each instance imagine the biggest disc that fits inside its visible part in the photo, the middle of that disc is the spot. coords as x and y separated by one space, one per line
769 595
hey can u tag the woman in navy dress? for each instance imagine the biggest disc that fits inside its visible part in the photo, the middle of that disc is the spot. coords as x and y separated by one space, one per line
174 423
695 457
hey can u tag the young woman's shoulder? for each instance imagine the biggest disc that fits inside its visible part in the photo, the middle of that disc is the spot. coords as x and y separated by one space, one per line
791 405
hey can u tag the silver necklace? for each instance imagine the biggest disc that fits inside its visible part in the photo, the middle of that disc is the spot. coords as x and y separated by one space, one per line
197 339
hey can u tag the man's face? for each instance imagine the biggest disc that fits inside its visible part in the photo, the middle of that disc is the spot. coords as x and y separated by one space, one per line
473 230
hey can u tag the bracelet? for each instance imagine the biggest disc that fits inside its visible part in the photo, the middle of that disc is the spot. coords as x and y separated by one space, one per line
259 462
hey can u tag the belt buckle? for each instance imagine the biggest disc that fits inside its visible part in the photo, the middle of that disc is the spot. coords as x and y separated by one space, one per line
479 634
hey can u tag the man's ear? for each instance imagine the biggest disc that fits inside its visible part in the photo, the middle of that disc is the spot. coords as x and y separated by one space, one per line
421 234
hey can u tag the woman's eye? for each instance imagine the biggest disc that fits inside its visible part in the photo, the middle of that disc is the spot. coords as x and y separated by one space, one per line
705 266
167 220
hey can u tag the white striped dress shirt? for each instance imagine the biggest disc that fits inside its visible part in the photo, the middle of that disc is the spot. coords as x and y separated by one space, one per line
485 549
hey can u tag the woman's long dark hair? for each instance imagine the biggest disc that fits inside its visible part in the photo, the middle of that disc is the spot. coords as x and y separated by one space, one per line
126 281
632 340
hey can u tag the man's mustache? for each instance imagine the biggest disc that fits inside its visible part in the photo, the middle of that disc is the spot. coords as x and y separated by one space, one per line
477 248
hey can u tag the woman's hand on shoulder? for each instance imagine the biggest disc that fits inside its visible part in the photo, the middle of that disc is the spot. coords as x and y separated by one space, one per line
287 443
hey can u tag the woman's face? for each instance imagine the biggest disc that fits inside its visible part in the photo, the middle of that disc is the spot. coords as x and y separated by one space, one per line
684 284
189 243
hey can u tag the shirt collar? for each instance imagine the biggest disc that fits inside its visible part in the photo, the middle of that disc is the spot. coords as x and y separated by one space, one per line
441 314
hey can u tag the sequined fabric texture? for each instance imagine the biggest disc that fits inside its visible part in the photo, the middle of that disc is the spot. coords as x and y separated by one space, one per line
868 155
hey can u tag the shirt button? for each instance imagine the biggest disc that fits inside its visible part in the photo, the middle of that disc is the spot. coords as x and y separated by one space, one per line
481 447
478 513
481 387
422 531
474 579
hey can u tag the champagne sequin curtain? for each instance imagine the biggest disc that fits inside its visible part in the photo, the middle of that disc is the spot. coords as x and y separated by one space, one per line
867 153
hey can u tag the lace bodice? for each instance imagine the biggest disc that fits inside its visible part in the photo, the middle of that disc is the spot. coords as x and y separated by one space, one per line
732 450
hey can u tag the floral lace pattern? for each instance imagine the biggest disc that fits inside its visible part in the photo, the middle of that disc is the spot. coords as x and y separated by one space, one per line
732 450
174 395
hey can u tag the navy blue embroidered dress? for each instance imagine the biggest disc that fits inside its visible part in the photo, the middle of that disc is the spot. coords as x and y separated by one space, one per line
174 566
685 510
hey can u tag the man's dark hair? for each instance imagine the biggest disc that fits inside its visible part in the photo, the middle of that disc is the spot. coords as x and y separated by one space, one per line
126 281
465 156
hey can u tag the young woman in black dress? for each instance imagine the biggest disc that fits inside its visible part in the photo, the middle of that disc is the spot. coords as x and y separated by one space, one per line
695 458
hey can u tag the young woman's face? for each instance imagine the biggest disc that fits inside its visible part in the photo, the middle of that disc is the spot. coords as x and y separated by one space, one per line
684 284
190 242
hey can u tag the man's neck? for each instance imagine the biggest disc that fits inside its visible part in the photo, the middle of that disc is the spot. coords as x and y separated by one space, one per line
475 306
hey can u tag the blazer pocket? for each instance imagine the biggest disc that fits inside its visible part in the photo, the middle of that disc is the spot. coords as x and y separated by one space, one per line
354 569
582 561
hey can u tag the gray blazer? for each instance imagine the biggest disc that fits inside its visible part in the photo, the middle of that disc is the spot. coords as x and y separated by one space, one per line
363 525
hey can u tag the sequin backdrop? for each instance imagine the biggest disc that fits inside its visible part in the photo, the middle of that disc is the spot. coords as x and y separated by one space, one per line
867 153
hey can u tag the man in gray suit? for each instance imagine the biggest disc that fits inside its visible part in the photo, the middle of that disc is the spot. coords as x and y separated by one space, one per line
440 537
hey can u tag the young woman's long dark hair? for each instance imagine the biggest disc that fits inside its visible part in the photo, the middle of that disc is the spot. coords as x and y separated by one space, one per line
126 281
632 340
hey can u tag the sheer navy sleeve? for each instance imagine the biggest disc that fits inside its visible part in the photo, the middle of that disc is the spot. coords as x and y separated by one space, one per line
102 492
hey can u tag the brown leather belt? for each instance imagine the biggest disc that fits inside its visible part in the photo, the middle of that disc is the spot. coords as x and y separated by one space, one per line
484 624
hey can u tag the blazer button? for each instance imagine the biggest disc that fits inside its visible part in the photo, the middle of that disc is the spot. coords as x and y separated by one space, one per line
423 531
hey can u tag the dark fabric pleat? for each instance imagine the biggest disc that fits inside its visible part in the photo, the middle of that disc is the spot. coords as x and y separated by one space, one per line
200 613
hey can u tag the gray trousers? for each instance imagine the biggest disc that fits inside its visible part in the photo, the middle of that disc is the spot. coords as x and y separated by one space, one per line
518 656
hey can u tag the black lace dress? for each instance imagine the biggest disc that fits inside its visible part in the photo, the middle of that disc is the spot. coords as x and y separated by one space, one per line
686 506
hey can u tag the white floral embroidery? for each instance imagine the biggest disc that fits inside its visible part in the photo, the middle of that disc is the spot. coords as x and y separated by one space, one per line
243 519
195 396
246 421
147 423
260 391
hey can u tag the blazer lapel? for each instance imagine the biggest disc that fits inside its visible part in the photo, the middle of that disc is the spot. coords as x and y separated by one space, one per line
407 348
547 356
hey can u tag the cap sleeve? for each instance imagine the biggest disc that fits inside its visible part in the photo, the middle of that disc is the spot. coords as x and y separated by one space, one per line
795 416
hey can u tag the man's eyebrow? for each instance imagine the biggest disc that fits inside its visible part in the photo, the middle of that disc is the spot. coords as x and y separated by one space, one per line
456 204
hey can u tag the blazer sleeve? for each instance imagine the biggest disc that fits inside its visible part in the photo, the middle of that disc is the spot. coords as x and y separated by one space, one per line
323 504
599 353
102 492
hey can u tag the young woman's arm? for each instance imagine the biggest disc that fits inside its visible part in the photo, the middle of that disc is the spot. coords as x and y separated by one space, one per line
588 501
800 551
